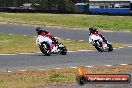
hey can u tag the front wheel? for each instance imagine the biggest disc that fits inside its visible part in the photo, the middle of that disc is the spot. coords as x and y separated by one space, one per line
45 49
98 47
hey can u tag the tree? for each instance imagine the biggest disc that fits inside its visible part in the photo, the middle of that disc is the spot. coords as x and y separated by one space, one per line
51 5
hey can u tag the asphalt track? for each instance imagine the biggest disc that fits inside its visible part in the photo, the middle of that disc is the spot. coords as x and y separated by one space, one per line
89 58
31 61
72 59
123 37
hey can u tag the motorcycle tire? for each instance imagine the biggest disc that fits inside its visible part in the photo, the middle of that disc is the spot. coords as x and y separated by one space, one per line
63 50
98 47
44 49
110 47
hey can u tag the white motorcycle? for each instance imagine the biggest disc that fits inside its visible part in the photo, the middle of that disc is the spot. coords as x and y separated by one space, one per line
44 45
98 43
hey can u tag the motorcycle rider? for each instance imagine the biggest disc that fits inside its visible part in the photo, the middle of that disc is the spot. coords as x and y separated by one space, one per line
42 32
96 32
47 35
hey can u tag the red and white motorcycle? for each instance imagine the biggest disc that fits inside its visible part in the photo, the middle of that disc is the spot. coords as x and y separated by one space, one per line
45 44
98 43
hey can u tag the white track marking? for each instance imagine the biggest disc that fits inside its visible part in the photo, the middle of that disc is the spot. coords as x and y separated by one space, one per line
25 24
71 51
3 23
36 25
42 69
26 53
73 67
123 64
39 52
121 47
25 35
23 70
9 71
89 66
68 39
115 48
10 34
108 65
81 40
129 46
15 23
57 68
7 54
86 50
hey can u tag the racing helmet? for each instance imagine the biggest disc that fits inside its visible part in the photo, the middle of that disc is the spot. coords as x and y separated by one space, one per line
91 29
38 29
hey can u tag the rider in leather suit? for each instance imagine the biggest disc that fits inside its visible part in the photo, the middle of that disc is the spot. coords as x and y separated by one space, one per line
42 32
96 32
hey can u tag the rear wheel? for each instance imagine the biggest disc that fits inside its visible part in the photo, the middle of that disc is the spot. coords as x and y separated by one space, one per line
62 49
110 47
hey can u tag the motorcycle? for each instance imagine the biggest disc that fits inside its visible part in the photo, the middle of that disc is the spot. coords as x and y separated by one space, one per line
98 43
45 48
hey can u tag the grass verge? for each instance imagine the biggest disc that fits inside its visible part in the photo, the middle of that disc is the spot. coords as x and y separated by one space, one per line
37 78
26 44
17 44
115 23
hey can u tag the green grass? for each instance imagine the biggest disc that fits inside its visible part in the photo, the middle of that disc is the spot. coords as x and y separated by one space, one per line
42 78
32 79
17 44
75 45
115 23
26 44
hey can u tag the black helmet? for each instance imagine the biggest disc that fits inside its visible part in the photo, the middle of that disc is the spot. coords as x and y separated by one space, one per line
91 29
38 29
94 29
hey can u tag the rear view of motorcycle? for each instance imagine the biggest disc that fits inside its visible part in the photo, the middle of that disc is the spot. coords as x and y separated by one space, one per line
46 49
99 44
